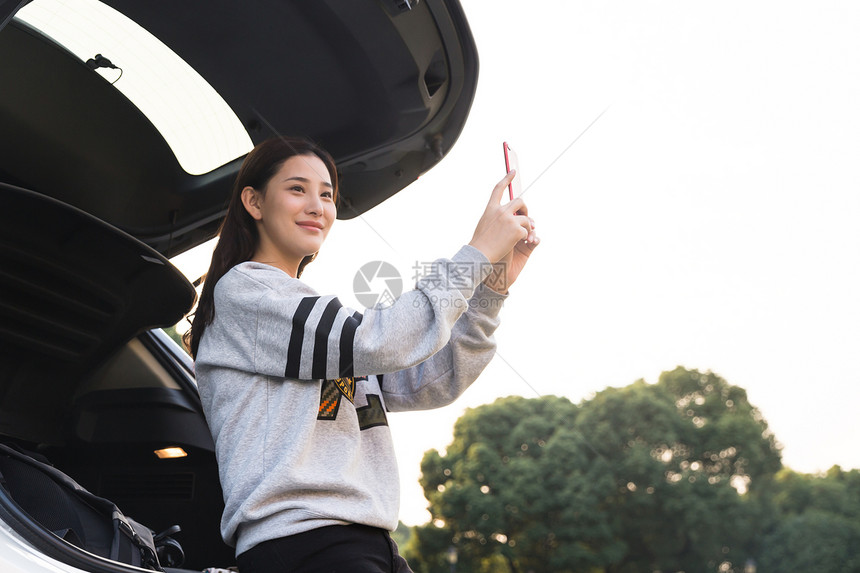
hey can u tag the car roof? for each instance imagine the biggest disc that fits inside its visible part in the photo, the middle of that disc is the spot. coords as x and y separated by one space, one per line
385 86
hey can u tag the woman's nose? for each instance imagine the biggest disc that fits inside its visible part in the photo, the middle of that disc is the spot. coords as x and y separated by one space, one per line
314 205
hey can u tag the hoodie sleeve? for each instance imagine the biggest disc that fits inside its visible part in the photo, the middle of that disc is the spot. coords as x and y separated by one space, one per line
443 377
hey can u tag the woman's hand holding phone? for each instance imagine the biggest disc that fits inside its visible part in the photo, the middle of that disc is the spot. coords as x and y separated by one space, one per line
505 233
502 225
508 268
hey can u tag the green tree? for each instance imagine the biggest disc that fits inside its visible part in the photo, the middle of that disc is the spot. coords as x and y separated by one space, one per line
816 523
639 478
682 451
427 549
401 535
501 472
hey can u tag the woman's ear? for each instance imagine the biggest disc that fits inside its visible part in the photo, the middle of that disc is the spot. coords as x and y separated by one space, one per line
251 199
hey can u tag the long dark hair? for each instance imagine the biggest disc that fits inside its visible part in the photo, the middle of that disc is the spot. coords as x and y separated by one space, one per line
238 236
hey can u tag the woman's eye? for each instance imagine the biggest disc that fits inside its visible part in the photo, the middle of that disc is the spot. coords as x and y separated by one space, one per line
327 194
298 188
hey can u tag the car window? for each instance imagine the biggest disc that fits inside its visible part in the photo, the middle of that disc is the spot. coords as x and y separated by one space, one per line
195 121
193 263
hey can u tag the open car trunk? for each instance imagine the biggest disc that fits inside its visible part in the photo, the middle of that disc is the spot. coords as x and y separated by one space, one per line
93 200
384 85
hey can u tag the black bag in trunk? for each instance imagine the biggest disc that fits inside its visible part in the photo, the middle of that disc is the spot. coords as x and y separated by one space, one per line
72 513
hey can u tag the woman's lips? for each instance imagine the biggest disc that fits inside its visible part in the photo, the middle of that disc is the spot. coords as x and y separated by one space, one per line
310 225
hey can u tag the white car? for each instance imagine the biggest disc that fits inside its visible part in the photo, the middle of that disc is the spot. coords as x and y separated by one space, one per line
123 125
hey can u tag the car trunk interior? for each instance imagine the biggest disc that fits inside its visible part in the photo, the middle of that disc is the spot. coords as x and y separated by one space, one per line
79 381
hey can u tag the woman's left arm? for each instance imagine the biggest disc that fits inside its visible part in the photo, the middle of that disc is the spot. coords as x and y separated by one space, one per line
443 377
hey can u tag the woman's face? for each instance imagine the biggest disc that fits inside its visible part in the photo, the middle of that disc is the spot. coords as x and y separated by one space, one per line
295 213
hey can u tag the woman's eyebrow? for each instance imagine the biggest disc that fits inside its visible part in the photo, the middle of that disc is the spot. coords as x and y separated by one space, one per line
306 180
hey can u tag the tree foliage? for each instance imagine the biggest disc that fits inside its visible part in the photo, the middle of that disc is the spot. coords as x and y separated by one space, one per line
816 523
647 477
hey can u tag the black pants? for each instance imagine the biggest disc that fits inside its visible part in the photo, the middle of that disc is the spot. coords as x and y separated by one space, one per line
332 549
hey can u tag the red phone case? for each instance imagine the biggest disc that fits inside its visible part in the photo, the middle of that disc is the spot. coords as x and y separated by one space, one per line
510 164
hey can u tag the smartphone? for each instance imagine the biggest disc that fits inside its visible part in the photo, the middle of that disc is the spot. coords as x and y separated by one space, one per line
511 163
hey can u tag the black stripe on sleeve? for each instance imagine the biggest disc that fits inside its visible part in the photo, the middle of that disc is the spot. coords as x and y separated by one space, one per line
297 335
347 337
321 335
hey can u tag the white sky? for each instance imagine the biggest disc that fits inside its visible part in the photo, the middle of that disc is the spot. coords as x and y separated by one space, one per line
708 219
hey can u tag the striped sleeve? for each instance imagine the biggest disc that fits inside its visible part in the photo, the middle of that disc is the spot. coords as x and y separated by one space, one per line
320 334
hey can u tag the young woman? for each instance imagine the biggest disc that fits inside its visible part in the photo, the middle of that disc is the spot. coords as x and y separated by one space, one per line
296 387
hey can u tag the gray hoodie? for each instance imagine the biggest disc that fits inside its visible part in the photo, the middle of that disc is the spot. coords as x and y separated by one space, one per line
295 388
